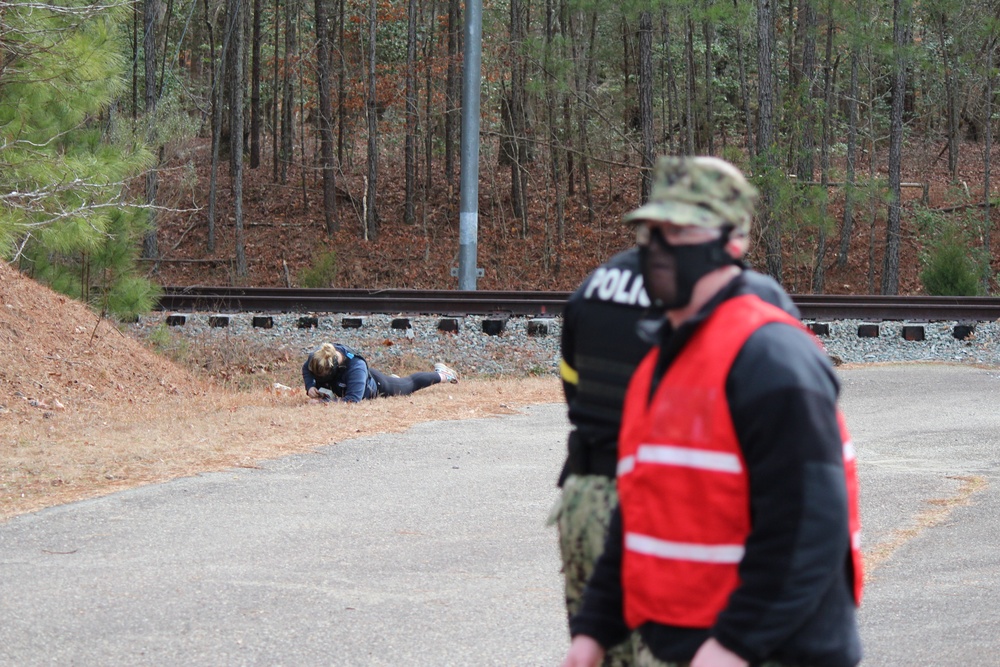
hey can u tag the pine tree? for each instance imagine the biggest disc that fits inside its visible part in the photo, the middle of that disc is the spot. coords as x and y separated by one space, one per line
64 161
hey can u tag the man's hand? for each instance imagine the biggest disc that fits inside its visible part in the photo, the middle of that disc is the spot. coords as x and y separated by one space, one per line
714 654
312 392
584 651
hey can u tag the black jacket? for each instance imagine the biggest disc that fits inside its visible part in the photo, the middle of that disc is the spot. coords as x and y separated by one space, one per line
794 603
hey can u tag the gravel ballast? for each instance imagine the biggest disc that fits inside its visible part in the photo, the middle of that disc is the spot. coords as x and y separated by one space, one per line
470 351
939 344
515 352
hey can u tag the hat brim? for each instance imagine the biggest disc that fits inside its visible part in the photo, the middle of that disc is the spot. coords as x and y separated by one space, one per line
677 213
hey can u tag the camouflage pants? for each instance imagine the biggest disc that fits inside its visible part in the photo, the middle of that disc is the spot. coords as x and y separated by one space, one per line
582 515
645 658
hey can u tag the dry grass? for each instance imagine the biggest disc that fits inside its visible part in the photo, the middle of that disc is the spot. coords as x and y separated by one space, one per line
77 456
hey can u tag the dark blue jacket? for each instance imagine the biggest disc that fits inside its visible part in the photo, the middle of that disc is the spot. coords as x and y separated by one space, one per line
351 382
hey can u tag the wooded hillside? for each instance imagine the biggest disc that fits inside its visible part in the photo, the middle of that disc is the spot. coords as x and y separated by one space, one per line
866 125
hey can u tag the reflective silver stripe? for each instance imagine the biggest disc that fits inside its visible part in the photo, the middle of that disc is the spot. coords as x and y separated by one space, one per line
856 539
849 452
626 465
699 553
701 459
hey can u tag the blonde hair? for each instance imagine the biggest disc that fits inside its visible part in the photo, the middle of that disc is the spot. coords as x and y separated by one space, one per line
324 360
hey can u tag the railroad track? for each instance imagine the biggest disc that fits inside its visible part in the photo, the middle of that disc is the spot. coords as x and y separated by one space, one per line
413 302
486 302
912 308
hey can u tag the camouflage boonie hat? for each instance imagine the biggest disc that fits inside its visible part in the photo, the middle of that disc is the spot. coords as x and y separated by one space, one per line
699 191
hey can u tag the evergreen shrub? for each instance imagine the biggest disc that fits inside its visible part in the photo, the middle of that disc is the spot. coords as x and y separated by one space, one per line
953 264
322 272
950 270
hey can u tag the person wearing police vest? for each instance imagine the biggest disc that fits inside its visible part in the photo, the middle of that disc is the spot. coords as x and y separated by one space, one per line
335 372
737 539
601 346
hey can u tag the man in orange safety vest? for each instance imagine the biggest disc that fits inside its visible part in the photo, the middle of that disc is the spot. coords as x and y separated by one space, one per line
737 537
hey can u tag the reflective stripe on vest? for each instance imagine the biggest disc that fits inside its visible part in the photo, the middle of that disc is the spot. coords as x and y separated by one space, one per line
698 553
683 457
849 452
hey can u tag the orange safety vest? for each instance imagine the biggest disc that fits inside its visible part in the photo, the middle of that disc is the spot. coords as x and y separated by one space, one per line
682 480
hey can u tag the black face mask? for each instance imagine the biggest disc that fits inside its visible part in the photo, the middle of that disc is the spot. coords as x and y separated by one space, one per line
691 264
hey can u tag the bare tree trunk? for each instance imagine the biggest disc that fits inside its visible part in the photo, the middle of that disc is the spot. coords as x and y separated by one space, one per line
873 205
770 226
567 122
573 124
135 60
217 69
646 101
590 82
829 69
987 164
951 95
326 119
689 102
151 8
288 90
371 110
274 95
247 13
452 117
552 103
847 227
628 56
428 99
582 58
255 88
708 31
409 213
341 84
666 111
671 140
234 11
900 40
303 171
513 149
804 166
744 88
166 40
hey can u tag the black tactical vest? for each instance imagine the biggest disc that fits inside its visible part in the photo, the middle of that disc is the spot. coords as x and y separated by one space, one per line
601 343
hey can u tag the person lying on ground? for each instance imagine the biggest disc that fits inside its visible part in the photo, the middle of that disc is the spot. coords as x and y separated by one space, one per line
335 372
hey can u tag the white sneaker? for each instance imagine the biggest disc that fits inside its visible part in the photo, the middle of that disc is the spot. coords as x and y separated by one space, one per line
446 373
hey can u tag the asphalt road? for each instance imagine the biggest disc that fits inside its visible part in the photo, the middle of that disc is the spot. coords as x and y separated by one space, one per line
929 436
429 547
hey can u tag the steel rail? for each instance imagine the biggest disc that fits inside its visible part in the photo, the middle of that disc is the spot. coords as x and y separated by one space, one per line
911 308
481 302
